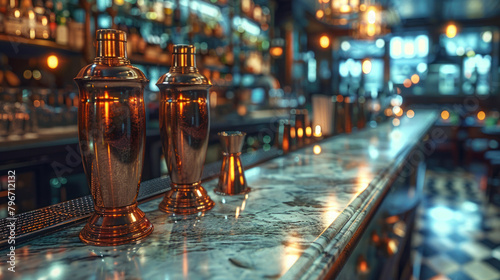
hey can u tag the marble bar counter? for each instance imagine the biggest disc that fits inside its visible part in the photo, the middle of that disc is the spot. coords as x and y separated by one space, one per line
302 212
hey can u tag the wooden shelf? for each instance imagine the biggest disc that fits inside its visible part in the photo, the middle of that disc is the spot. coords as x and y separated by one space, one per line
16 45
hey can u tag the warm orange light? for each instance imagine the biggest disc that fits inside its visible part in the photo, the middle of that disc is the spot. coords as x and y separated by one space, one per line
451 30
292 132
396 110
317 149
445 115
363 266
340 98
27 74
399 113
320 14
242 110
300 132
396 122
367 66
370 30
286 144
52 62
317 131
276 51
410 114
345 9
308 131
481 115
324 41
36 103
388 112
407 83
415 78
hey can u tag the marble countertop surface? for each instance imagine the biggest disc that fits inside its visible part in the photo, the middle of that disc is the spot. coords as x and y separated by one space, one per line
302 211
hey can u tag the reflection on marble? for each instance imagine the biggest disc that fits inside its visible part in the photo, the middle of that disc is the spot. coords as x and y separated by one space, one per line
303 209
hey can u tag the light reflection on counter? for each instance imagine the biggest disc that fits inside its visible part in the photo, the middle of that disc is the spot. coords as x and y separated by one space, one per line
331 212
252 172
373 152
365 176
317 149
185 264
292 251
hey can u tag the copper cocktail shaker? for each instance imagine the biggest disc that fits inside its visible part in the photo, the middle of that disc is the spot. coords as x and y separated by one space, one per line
112 134
185 127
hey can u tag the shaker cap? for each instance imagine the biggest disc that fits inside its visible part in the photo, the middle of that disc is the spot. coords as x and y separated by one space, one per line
183 71
183 49
111 43
111 63
111 34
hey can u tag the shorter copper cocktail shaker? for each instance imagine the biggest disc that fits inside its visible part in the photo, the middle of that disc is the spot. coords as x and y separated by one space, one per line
232 175
112 135
184 127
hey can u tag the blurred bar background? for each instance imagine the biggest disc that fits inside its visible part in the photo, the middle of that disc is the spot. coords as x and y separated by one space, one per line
362 61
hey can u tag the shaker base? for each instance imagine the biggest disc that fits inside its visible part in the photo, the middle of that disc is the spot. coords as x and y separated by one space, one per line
116 226
186 199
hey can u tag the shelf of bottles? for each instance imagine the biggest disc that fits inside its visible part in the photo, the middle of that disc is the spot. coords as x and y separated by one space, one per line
37 91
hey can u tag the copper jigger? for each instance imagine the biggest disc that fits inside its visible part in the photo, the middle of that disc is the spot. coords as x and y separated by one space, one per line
184 127
112 135
232 176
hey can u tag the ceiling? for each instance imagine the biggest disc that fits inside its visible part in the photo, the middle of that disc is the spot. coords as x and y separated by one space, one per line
414 11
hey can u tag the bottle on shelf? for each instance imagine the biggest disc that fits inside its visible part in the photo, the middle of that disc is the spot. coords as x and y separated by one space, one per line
42 29
62 28
4 6
39 8
168 9
51 17
28 18
14 21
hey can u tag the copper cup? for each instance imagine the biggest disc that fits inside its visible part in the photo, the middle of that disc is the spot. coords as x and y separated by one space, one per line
232 175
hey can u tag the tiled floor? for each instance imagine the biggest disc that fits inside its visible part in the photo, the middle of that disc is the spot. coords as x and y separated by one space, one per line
457 234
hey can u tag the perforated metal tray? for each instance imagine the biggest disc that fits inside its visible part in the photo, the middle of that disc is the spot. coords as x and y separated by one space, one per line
48 219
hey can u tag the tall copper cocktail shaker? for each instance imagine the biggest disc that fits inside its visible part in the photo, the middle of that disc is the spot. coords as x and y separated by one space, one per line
185 127
112 134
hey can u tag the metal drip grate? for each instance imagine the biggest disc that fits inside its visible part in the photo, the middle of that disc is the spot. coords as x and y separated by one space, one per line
42 221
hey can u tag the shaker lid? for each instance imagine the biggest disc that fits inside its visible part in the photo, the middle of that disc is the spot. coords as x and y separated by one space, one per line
111 35
183 71
111 63
183 49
